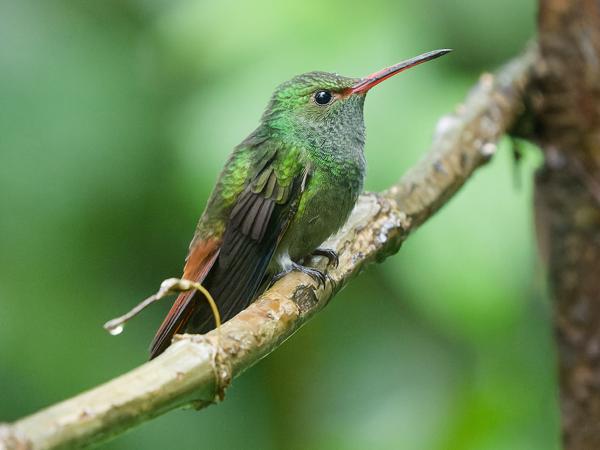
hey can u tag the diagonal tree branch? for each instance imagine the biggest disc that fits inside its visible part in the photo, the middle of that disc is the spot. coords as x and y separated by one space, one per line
196 369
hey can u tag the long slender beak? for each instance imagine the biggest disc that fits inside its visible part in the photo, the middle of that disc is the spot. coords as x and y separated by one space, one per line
374 79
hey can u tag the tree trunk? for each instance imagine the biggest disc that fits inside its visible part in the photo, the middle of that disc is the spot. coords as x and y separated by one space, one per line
566 107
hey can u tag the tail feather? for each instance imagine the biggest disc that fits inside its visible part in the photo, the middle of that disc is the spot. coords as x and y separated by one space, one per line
201 259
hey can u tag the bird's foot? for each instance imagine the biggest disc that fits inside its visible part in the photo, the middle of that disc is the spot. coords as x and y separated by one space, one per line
319 277
328 253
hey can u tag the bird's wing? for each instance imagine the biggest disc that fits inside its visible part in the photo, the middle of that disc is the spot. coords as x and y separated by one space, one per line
232 267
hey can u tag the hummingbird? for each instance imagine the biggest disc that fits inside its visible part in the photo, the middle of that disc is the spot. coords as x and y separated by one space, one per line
286 188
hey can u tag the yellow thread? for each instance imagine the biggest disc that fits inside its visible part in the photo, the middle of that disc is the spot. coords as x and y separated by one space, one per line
211 302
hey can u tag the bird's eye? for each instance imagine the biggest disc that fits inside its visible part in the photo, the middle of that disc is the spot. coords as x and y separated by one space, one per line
323 97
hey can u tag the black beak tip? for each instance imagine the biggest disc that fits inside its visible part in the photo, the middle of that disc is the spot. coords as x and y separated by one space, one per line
444 51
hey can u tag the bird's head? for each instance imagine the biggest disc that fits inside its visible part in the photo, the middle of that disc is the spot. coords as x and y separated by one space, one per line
319 108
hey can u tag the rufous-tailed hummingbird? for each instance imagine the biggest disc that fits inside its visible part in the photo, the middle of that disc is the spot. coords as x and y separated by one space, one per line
284 190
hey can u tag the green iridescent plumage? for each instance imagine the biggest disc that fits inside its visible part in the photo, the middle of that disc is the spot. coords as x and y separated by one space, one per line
283 191
297 134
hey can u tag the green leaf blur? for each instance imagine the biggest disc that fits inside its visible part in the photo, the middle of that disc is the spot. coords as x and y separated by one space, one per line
115 118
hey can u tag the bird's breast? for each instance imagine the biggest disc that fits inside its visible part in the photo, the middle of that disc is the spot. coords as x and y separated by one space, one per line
329 197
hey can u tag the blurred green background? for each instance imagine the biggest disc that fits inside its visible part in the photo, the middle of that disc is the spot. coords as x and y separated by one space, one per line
115 118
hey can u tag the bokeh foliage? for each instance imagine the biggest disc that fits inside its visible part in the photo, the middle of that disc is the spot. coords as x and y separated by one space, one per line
115 118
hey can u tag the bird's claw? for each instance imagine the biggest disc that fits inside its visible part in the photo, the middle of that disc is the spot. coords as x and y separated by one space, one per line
279 276
319 277
328 253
